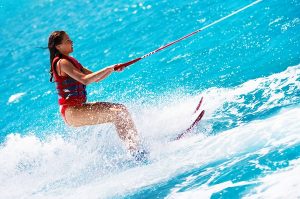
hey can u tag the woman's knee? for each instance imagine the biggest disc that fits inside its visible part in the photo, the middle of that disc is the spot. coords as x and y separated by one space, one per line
121 112
119 108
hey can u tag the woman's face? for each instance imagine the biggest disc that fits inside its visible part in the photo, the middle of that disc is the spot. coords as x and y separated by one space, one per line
66 45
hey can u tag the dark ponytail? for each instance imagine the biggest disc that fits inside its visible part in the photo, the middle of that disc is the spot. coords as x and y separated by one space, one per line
55 39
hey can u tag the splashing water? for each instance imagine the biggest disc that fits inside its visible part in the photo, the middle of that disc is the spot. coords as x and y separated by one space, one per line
246 68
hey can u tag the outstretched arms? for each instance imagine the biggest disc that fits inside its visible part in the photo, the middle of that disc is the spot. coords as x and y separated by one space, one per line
86 77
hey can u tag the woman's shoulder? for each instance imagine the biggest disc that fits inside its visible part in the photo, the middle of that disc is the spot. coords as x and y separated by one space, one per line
72 59
68 60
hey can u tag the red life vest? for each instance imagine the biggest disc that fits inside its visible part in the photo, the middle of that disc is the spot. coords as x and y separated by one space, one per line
70 91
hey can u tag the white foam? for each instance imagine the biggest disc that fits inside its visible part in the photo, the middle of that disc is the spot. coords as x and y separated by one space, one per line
282 184
276 89
193 152
15 98
256 137
170 116
205 191
54 169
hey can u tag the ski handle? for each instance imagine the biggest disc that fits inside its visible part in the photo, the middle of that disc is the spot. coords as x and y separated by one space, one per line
119 66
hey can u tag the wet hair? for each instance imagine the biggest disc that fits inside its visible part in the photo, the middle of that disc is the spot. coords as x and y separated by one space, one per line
55 39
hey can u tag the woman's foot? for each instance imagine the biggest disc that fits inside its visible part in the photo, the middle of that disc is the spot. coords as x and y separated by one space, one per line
140 155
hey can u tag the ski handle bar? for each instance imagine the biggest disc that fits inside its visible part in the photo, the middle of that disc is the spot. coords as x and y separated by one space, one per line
119 66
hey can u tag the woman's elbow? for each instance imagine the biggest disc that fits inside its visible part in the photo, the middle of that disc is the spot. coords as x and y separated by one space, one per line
85 81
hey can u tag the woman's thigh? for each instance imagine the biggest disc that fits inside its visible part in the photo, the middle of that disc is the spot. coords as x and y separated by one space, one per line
93 113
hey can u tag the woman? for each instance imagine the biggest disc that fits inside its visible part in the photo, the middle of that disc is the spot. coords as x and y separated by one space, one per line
71 79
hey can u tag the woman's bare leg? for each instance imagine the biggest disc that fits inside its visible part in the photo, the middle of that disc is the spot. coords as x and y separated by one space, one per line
103 112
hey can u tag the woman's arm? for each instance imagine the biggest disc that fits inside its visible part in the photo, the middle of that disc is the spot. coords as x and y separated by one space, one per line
68 68
87 71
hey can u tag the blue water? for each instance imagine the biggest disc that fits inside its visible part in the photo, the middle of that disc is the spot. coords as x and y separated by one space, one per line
247 67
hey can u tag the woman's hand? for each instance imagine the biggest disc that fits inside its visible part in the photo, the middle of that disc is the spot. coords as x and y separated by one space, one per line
118 68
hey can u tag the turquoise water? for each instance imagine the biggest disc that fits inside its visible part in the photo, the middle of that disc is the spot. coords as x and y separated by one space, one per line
247 67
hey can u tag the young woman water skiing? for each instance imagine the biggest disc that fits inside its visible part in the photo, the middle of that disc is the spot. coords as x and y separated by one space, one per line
71 79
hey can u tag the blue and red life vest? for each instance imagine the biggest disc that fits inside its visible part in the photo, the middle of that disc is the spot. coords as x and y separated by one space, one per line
70 91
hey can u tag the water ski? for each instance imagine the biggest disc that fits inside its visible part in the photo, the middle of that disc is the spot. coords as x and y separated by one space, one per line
196 121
